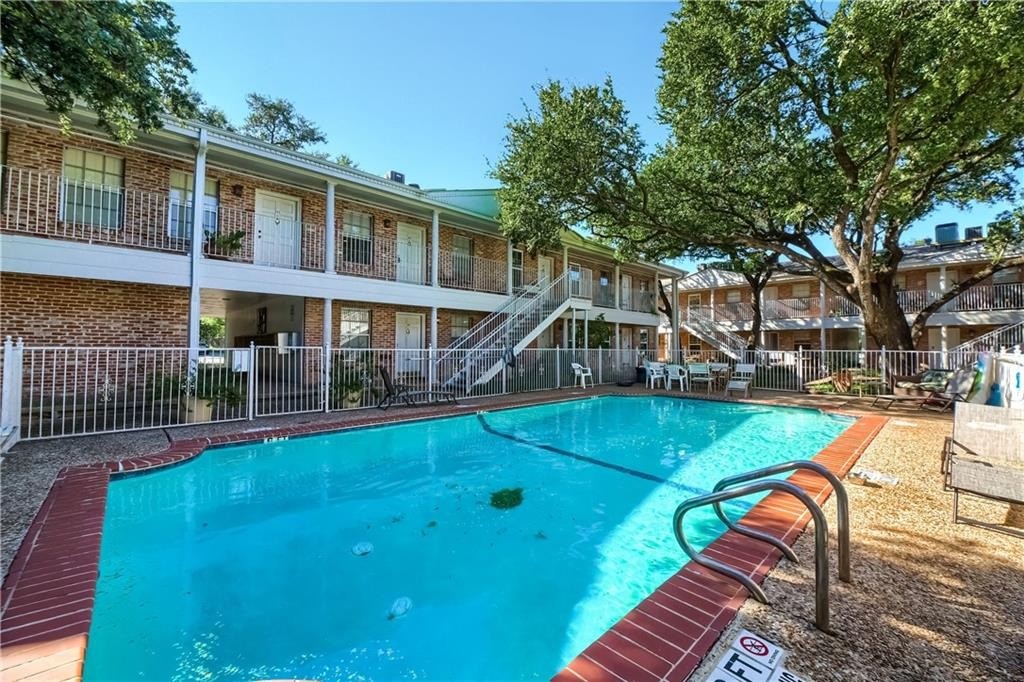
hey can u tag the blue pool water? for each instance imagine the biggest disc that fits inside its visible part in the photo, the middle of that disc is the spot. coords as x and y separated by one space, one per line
238 565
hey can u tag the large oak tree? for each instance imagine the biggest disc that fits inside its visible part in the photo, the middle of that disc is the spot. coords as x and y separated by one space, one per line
119 58
790 124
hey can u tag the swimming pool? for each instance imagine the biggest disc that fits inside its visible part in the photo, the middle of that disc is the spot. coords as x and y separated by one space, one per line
239 565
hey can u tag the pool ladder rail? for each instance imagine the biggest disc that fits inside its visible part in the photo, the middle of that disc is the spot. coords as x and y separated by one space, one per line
724 490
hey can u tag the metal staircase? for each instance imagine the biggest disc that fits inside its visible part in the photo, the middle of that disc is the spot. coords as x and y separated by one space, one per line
700 323
480 354
1007 336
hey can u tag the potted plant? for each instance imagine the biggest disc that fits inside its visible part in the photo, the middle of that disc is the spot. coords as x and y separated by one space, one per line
210 394
223 246
350 378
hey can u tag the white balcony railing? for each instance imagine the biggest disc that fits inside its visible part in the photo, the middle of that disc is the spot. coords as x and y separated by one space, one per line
54 206
462 271
639 302
248 237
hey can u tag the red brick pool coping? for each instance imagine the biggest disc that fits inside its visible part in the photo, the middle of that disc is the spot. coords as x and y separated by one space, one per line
49 591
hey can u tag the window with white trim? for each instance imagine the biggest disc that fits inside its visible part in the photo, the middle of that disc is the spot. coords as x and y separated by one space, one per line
460 325
733 296
355 329
179 214
1007 276
93 186
357 237
462 259
801 290
517 269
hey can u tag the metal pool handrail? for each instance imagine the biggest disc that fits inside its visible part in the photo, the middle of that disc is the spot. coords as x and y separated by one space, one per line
821 610
842 509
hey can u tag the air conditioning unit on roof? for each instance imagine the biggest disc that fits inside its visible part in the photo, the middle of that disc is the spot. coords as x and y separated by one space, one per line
973 232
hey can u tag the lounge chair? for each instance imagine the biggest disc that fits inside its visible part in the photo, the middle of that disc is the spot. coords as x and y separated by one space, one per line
985 458
582 374
741 379
408 395
676 373
700 373
954 391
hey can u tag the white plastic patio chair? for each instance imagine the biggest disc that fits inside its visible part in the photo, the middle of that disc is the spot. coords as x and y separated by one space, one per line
700 373
676 373
582 374
741 379
655 373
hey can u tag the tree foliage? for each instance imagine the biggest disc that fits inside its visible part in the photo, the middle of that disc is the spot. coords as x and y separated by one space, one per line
120 58
275 120
788 124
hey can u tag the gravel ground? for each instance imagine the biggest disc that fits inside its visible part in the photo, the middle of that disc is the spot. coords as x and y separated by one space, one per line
930 599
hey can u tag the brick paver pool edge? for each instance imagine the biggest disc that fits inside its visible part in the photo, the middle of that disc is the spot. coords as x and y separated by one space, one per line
49 591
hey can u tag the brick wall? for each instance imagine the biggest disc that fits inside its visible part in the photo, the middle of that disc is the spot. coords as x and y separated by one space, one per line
84 312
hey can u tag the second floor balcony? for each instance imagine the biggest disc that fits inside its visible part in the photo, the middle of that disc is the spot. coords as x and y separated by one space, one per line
987 297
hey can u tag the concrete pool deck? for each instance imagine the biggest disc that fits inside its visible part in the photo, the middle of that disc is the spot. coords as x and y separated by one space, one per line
40 638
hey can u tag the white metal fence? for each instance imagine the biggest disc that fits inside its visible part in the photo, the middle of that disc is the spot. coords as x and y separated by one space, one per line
51 392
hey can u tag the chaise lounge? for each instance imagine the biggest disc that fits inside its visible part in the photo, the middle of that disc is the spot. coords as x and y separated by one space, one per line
955 390
408 395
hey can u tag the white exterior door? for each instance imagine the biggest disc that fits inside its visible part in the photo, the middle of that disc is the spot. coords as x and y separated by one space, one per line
411 248
409 344
545 266
626 300
278 233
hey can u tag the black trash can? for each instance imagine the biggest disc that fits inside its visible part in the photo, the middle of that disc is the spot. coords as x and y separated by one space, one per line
641 375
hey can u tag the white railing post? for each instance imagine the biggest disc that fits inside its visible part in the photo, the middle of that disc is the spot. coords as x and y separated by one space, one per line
10 401
250 394
600 372
558 367
330 252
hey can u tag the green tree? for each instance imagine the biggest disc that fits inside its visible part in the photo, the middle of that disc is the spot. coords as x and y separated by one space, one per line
211 331
599 333
787 124
756 267
341 159
275 120
119 58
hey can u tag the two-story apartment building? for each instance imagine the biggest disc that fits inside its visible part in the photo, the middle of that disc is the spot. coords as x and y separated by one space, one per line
96 247
800 312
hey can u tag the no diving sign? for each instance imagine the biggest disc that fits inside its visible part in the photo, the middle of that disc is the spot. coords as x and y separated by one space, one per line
752 658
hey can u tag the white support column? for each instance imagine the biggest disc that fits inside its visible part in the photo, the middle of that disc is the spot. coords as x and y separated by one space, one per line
821 312
435 244
618 287
432 372
944 336
618 337
675 319
572 331
198 237
330 258
328 342
508 264
586 330
711 301
565 333
565 259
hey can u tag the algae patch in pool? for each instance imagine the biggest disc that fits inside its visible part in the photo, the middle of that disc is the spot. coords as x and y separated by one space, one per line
507 498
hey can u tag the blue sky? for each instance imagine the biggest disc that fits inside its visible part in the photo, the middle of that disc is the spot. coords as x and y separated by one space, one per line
426 88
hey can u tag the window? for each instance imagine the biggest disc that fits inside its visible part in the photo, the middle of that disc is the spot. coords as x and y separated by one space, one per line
355 328
180 210
460 325
801 290
93 189
732 296
357 237
643 341
462 259
605 295
517 269
901 282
